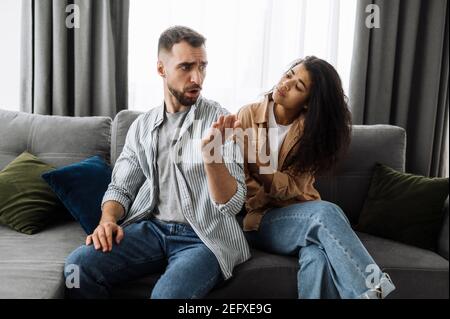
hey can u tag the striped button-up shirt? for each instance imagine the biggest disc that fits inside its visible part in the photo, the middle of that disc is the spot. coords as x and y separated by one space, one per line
134 182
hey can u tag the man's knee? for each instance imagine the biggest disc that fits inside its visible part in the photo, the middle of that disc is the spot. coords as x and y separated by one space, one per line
80 258
178 290
192 276
174 291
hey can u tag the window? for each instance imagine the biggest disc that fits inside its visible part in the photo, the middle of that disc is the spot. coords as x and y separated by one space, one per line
249 43
10 11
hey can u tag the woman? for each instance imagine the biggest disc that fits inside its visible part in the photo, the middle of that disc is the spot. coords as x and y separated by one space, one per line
303 127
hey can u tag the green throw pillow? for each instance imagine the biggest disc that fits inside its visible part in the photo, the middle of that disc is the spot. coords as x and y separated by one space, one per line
404 207
27 203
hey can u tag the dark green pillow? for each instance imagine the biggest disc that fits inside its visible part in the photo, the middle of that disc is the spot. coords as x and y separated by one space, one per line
27 203
404 207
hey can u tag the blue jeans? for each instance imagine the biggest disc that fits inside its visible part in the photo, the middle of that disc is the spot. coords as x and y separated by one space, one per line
150 246
333 263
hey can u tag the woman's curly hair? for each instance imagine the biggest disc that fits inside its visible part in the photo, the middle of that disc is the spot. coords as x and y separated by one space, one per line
327 126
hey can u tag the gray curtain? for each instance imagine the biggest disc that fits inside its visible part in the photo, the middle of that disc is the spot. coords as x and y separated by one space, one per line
74 71
400 73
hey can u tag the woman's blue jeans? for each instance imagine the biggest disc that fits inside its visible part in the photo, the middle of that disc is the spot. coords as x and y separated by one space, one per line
333 263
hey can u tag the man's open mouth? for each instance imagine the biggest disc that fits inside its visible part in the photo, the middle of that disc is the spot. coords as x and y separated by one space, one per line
193 91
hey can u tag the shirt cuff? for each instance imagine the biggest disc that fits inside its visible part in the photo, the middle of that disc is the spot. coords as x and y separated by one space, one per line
234 204
117 196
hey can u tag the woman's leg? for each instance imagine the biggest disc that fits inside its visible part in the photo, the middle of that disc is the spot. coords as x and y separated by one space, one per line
353 271
315 276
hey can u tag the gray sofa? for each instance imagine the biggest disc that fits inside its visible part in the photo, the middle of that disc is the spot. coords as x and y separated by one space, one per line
31 266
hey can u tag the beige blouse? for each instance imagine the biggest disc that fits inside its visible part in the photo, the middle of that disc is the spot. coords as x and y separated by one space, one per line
287 187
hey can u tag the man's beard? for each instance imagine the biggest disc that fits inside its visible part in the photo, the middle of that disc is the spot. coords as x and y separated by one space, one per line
181 98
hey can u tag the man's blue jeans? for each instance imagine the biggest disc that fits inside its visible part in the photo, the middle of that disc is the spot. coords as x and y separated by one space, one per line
333 262
150 246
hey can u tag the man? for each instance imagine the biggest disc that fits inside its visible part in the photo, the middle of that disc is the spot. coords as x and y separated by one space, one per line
176 208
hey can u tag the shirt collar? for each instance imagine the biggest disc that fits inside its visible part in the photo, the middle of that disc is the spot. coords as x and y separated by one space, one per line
161 109
262 114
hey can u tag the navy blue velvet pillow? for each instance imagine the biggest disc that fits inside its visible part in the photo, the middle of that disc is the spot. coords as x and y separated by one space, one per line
80 187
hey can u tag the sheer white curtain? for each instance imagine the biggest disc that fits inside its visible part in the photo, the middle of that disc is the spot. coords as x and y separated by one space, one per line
10 14
250 43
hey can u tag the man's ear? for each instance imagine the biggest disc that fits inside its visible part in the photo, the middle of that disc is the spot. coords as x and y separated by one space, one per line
160 68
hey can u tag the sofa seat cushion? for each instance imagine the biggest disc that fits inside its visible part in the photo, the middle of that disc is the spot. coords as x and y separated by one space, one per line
416 272
263 275
31 266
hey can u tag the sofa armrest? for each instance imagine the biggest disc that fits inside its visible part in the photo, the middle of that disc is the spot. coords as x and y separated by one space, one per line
443 239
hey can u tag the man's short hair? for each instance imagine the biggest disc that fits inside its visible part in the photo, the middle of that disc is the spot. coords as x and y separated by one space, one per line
176 34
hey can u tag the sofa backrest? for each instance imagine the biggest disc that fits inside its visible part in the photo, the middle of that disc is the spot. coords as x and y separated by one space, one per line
57 140
349 184
61 140
120 126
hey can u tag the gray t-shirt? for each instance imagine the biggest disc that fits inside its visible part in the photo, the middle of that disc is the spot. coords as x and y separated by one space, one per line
168 207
